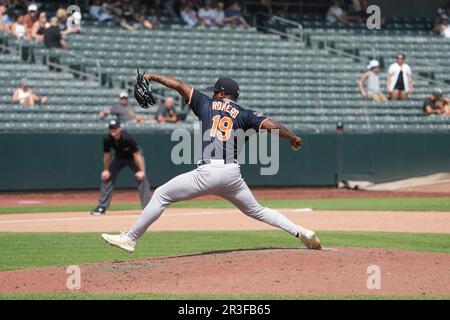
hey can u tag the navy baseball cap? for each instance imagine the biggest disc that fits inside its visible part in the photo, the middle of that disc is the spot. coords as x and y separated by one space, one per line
227 85
114 124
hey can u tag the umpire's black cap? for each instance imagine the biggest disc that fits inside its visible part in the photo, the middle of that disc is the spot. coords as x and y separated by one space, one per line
227 85
114 124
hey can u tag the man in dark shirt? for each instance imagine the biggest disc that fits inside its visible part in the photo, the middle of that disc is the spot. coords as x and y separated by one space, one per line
53 37
166 112
429 105
122 111
127 154
263 12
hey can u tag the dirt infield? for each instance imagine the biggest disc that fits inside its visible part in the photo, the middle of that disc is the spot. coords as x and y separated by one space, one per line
175 219
263 271
333 271
128 196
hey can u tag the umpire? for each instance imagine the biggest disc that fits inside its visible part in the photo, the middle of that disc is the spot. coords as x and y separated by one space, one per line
127 154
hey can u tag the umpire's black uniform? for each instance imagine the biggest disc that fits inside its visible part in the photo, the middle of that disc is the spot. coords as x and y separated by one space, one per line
124 149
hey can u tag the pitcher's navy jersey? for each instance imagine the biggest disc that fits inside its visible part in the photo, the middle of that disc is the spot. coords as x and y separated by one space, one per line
224 125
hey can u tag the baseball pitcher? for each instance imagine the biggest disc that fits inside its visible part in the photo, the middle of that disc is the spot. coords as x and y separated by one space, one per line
218 172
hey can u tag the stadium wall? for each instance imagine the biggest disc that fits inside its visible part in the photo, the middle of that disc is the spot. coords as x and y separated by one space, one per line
74 161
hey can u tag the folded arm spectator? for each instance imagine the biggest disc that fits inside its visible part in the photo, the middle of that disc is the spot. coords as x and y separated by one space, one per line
189 16
123 111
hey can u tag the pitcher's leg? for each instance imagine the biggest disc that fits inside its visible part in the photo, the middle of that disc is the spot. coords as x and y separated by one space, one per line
243 199
183 187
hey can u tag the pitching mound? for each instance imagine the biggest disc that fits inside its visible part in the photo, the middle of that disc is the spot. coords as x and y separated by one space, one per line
262 271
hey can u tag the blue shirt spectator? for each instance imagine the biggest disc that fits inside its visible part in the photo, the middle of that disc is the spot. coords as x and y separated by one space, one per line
234 15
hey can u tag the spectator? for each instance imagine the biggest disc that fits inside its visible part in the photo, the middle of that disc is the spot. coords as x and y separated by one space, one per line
189 16
166 112
147 17
264 6
53 37
30 18
359 8
61 15
234 16
444 104
155 10
171 7
123 111
26 97
219 14
19 30
443 28
206 14
73 23
126 15
336 14
372 80
263 12
195 5
441 20
5 20
285 6
399 82
38 30
2 25
432 103
444 11
19 6
101 12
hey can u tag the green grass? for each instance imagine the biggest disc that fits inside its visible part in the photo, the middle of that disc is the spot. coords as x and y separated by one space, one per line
149 296
27 250
392 204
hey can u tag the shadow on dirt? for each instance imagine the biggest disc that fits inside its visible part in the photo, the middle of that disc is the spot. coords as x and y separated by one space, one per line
213 252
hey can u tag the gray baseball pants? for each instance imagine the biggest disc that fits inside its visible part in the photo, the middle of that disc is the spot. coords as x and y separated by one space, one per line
115 166
220 179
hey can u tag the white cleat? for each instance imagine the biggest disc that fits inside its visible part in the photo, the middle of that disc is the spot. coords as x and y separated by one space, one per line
309 239
120 241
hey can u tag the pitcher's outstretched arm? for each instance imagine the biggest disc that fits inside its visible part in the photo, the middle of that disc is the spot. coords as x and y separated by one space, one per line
296 141
181 87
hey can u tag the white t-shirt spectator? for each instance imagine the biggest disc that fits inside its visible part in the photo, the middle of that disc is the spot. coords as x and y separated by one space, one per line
394 71
333 14
446 32
20 30
207 15
219 16
190 18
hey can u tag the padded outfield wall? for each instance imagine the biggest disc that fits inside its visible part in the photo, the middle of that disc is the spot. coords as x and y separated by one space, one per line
74 161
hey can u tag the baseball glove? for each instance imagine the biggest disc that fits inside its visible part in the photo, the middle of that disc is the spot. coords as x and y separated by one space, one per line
143 91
